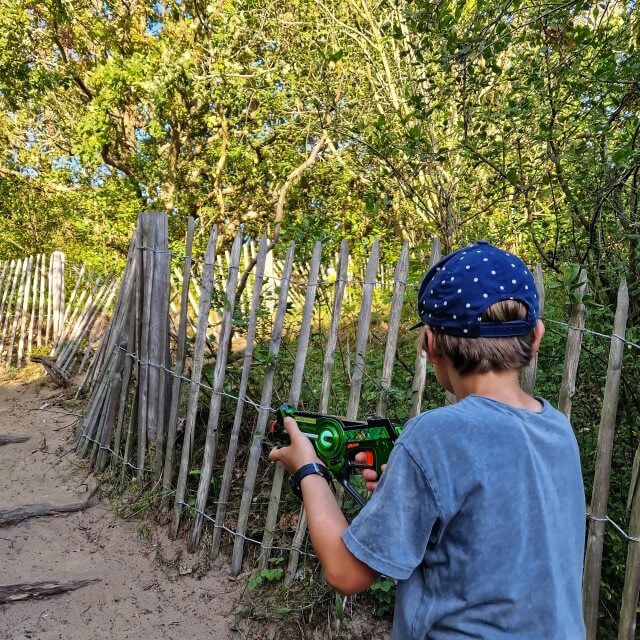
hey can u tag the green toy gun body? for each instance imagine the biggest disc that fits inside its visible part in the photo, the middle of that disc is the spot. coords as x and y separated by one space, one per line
338 440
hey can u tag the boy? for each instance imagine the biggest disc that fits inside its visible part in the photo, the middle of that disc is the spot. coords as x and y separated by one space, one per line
480 513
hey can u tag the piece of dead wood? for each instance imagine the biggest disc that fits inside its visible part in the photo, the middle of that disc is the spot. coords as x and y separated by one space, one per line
27 590
18 514
7 439
58 376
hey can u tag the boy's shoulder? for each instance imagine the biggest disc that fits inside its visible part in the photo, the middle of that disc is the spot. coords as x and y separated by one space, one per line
474 415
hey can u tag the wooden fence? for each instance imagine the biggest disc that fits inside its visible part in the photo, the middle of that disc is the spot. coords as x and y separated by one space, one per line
167 351
37 315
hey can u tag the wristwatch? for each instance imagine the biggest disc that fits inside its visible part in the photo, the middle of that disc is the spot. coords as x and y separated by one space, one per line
306 470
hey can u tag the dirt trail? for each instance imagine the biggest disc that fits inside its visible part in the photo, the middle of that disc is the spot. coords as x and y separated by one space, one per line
138 597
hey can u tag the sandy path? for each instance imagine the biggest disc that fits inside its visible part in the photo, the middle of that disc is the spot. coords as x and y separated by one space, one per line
137 596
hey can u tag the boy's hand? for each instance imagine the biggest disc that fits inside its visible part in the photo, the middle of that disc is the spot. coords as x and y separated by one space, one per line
369 475
298 453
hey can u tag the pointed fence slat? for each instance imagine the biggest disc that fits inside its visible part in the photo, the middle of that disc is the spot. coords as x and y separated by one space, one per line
574 346
196 375
420 370
604 452
400 284
124 390
325 393
362 332
25 313
5 278
178 369
18 310
263 416
34 305
224 339
68 311
227 474
43 287
332 338
294 398
80 313
6 323
528 379
57 300
49 300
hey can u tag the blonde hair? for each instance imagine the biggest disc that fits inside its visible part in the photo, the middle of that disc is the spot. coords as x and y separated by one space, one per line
480 355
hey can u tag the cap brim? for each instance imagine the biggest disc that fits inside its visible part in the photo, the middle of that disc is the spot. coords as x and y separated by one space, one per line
416 326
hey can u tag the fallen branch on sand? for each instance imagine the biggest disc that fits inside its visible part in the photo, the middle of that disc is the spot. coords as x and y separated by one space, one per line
18 514
6 439
57 375
16 592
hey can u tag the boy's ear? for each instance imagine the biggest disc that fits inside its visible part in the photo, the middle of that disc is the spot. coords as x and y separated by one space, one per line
432 351
538 333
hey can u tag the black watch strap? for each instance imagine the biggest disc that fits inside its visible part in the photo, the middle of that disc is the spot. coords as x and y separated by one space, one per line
307 470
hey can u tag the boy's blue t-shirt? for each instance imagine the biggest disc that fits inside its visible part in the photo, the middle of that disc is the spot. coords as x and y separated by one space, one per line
480 516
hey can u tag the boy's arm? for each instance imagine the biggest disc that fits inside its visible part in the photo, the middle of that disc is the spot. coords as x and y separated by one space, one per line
326 521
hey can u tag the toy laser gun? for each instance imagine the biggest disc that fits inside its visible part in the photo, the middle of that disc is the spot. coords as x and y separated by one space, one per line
338 440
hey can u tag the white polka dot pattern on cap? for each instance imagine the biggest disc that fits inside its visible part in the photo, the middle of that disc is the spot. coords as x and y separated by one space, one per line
474 282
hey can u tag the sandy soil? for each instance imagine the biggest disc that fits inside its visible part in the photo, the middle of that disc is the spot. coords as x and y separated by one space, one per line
141 593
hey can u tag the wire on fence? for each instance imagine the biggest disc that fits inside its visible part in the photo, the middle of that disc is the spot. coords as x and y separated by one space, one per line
615 525
102 447
203 385
594 333
240 535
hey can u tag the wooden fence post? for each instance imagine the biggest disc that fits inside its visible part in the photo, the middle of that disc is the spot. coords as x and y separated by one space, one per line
57 287
227 474
18 309
43 287
420 371
294 398
263 416
399 286
528 378
631 589
196 374
325 393
362 332
34 305
211 442
25 313
179 368
574 346
9 307
4 281
597 522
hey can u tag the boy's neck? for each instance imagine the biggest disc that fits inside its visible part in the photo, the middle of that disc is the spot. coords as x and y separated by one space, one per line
503 386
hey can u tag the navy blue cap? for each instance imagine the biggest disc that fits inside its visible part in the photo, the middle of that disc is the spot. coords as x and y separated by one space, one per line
458 289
